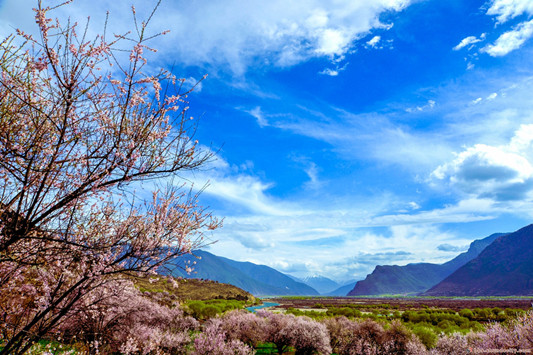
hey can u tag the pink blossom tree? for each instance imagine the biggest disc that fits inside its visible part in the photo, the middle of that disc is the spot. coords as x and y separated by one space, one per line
302 333
340 330
370 338
275 323
244 326
214 341
78 126
516 336
308 336
451 344
118 317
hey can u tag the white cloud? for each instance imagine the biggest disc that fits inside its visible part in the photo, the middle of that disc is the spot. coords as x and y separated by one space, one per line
245 191
318 19
259 116
324 251
235 34
502 173
374 41
492 96
452 248
511 40
337 70
254 241
330 72
521 142
506 10
191 83
413 205
237 187
469 210
331 42
468 41
312 172
429 105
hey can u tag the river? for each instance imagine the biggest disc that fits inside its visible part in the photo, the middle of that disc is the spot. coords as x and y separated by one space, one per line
264 305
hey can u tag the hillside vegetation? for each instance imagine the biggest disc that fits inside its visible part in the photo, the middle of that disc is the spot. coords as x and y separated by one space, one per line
193 289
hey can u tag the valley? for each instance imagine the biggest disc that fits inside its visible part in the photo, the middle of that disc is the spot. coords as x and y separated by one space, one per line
368 304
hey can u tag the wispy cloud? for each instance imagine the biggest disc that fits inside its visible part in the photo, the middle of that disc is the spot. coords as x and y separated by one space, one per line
492 96
468 41
329 71
235 35
511 40
505 10
312 171
259 116
297 234
374 134
452 248
429 105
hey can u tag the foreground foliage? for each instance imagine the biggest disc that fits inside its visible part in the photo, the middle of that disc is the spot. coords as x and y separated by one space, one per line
131 321
427 323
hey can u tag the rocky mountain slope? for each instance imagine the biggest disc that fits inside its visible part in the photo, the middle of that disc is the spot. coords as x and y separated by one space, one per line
415 278
504 268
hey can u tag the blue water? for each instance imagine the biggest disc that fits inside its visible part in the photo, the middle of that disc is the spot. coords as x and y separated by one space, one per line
264 305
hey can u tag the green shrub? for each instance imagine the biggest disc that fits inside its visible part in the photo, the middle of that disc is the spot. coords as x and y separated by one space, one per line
426 336
210 311
196 308
467 313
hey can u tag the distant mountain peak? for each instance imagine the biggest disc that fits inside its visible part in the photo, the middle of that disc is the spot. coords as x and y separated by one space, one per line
321 283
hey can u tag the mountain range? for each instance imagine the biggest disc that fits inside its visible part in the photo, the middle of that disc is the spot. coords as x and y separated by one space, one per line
413 279
343 290
504 268
500 264
259 280
320 283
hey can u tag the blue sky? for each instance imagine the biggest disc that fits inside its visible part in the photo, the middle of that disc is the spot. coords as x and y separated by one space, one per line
349 133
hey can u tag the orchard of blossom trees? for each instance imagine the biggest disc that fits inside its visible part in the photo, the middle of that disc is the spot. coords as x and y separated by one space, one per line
83 121
239 332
